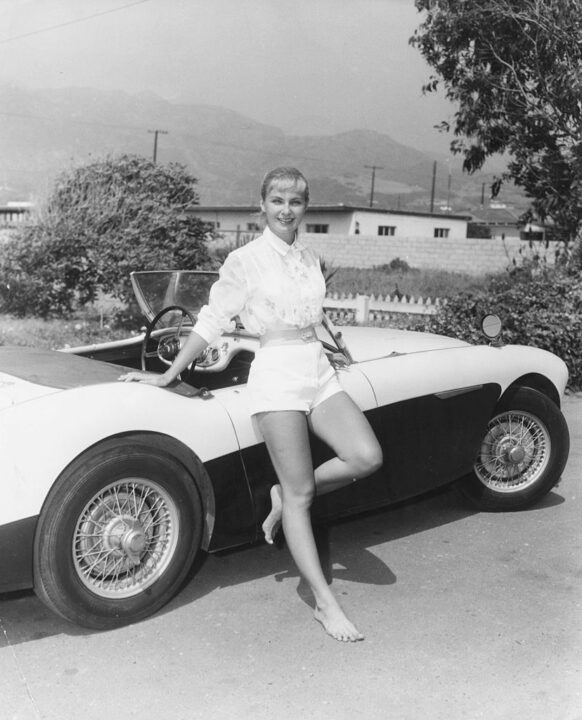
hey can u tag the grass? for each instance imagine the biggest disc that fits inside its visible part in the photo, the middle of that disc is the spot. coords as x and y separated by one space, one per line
84 329
411 283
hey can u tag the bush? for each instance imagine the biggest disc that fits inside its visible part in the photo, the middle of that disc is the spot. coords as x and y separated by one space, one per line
396 265
542 310
102 221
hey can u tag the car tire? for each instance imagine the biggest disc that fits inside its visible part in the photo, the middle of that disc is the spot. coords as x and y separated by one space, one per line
522 454
117 534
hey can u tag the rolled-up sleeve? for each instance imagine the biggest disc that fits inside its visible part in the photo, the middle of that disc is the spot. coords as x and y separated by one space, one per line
226 299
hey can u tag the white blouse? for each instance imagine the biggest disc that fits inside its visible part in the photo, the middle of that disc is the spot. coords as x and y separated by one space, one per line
269 284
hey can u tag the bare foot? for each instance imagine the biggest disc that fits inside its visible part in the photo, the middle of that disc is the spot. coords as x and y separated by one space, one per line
273 520
336 624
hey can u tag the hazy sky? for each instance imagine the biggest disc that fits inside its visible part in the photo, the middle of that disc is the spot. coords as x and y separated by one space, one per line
340 64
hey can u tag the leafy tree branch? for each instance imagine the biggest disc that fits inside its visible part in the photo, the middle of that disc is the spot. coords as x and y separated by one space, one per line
513 69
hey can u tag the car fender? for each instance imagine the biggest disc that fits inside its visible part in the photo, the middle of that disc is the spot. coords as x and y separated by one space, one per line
404 376
39 438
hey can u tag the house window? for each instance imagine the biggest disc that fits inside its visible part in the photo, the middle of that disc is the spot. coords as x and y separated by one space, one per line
531 235
213 225
441 232
386 229
253 227
316 228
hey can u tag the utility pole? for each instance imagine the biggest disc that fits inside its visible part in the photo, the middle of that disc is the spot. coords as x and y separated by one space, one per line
155 134
433 187
373 168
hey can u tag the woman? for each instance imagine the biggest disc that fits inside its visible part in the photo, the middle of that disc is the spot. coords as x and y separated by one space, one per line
275 285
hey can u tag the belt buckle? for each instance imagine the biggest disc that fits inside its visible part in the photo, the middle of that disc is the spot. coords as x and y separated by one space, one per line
307 334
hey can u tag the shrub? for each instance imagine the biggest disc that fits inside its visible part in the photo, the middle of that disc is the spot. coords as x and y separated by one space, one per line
102 221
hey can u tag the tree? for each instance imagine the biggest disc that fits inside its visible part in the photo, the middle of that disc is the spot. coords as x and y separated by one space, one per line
102 221
514 70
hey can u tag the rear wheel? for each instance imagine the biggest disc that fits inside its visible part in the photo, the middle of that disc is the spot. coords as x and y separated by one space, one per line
117 535
522 454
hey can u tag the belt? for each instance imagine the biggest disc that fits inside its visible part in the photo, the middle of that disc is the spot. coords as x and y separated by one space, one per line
291 335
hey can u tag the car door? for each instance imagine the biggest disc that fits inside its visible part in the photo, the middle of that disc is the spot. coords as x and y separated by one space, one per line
433 410
259 470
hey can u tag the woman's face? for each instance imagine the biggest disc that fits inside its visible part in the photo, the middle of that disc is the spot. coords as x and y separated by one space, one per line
284 206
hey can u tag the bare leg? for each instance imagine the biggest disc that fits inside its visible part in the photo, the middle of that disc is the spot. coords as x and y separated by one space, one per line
286 436
341 424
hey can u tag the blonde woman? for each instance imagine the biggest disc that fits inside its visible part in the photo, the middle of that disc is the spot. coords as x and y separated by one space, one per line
275 285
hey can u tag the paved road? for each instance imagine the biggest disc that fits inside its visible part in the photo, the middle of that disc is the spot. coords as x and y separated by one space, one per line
466 615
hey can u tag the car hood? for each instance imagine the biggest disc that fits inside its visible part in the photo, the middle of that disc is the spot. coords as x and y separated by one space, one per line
366 343
28 373
55 369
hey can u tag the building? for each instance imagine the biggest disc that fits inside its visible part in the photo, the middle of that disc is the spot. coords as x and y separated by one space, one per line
14 213
354 236
239 221
498 220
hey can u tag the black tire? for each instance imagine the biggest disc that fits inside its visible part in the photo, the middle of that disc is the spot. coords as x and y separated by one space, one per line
522 455
117 535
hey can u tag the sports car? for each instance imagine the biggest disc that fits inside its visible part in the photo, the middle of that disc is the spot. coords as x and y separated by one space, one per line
111 489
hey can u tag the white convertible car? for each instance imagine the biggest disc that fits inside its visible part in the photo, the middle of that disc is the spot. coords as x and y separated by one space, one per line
109 489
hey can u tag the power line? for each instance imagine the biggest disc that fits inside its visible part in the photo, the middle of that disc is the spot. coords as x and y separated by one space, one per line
72 22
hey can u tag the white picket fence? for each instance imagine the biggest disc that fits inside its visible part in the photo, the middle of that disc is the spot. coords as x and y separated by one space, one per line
364 309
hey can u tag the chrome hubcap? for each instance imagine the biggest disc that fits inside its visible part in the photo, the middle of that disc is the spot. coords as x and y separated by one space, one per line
125 536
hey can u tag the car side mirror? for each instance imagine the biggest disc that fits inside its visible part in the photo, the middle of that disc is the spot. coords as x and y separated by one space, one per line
491 327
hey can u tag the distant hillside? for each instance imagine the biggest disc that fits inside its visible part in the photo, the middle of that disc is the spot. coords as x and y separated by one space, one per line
44 131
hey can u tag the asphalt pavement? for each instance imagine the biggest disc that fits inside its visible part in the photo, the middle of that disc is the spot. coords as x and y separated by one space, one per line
466 615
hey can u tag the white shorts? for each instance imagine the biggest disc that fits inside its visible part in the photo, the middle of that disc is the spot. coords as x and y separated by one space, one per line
291 376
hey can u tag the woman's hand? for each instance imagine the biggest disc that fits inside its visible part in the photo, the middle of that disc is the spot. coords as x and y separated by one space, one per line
193 347
145 377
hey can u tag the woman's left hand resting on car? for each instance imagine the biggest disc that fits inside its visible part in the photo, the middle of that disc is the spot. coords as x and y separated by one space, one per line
194 345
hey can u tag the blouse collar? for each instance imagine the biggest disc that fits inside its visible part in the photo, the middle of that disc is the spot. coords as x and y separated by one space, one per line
280 245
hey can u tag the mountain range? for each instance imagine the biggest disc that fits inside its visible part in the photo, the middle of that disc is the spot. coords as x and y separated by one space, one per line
43 132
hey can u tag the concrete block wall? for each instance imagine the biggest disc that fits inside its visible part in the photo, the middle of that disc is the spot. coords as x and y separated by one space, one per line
469 255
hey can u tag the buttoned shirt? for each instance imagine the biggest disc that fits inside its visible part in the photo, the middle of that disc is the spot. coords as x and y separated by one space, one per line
269 284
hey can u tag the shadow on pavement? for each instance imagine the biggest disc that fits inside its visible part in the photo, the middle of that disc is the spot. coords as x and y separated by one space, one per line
344 546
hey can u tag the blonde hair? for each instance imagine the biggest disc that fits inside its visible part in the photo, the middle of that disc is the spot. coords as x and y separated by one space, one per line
287 175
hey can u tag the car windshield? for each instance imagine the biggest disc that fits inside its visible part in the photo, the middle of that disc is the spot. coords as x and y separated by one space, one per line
158 289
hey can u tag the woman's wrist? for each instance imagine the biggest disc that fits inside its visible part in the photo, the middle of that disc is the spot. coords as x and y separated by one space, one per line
169 376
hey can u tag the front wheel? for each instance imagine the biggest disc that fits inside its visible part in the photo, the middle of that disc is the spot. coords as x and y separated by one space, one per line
522 454
117 535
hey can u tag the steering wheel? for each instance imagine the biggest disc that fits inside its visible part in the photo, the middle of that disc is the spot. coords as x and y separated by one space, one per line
167 345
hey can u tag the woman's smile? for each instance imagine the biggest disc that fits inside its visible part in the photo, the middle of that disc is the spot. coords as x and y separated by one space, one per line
285 207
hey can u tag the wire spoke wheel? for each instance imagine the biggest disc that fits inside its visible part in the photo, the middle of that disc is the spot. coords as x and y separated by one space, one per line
514 453
118 533
125 538
522 454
